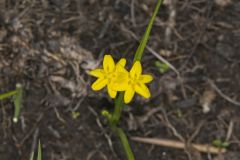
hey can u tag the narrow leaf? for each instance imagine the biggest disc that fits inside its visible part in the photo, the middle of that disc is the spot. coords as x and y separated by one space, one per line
8 94
39 156
143 43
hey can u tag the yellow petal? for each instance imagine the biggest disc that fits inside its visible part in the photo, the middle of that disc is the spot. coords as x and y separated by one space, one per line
122 62
142 89
146 78
121 76
136 70
128 95
120 86
99 84
111 92
108 63
120 66
97 73
120 83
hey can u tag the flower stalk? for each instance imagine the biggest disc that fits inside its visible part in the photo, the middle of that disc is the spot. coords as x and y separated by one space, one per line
117 110
119 104
118 79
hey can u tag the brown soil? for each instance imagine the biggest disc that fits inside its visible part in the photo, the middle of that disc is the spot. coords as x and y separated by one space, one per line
50 45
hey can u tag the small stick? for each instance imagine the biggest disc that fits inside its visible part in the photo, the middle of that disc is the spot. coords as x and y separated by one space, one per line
180 145
230 130
171 21
214 86
158 56
34 141
133 13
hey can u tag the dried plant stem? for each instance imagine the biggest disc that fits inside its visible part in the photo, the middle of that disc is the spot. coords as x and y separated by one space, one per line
214 86
180 145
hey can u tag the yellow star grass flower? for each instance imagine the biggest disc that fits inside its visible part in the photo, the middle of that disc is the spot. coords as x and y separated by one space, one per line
137 83
107 76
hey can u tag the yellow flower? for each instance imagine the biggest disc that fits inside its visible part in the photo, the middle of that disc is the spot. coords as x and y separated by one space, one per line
107 76
136 82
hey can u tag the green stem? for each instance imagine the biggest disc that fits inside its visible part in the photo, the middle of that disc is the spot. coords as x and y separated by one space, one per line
114 120
125 143
117 110
17 102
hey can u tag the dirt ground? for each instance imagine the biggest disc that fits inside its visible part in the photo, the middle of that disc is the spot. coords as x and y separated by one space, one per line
49 46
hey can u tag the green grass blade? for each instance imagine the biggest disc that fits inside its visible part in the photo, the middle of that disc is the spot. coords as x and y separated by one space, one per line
17 102
8 94
143 43
39 156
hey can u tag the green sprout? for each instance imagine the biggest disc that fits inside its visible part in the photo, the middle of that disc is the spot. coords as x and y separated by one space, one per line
106 114
17 100
75 115
220 144
162 67
39 155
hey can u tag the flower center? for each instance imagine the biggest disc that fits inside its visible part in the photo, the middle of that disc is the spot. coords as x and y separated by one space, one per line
110 76
132 80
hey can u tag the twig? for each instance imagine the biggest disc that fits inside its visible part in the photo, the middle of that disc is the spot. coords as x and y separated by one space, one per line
170 126
149 114
23 124
180 145
171 21
58 116
176 133
80 101
222 94
133 13
152 51
195 133
163 60
54 132
92 153
31 130
230 130
34 141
